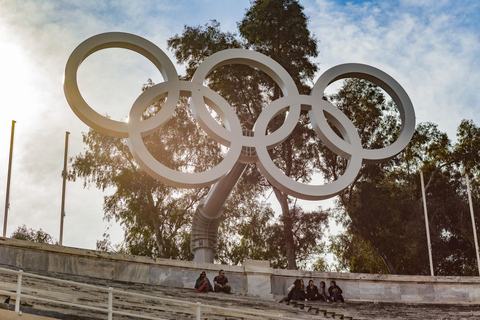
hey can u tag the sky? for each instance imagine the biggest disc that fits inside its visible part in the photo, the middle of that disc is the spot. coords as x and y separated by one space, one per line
431 47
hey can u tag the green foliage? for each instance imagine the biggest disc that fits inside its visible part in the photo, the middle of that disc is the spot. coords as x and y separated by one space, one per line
322 265
40 236
382 210
259 235
155 217
277 28
198 43
356 255
466 152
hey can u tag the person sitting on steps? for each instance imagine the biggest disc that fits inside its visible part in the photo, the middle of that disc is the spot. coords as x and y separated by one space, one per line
296 293
221 282
203 284
335 292
312 291
322 294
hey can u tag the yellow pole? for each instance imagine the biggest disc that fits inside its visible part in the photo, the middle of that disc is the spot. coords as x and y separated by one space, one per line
7 198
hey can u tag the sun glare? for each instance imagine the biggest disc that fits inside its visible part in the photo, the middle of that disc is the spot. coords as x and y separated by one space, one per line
16 77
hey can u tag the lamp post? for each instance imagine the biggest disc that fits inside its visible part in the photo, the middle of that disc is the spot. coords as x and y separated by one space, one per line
426 225
64 174
473 221
7 197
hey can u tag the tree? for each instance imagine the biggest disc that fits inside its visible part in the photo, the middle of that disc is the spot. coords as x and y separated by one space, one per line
259 235
355 254
40 236
382 210
277 28
155 217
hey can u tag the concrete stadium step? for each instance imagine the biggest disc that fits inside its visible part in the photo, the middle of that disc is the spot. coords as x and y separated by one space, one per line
167 310
322 309
389 311
12 315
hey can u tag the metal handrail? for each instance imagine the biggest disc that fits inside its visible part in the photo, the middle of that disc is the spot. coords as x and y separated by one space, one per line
196 306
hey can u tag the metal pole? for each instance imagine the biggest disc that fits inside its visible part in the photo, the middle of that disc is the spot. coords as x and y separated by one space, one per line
7 198
19 291
198 311
208 214
426 224
473 221
110 303
64 174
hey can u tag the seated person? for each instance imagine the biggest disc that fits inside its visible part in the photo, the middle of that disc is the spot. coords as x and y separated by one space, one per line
296 293
312 291
221 283
321 292
203 284
335 292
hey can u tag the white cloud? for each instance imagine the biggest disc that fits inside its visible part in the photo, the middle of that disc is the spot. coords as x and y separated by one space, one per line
432 55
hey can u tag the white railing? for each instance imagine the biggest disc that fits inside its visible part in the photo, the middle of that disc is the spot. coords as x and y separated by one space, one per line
194 307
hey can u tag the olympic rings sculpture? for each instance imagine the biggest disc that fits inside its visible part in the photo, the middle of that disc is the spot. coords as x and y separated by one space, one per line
320 111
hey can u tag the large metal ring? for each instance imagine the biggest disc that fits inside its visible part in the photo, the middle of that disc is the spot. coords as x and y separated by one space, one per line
105 41
172 90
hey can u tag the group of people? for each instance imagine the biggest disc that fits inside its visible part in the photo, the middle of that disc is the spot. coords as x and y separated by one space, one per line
297 291
220 283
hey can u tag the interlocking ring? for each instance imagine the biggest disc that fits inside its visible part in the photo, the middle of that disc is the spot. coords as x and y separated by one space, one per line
230 135
174 89
104 41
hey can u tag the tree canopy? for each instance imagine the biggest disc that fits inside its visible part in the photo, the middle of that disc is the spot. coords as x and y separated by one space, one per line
382 210
29 234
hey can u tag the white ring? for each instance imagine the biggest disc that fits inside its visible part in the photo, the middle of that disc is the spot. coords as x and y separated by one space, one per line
151 165
104 41
250 58
300 190
387 83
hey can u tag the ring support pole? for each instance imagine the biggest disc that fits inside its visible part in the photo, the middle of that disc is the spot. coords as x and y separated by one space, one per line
209 212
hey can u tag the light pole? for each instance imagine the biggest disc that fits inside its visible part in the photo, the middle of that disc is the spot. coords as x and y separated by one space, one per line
7 198
473 221
426 224
64 174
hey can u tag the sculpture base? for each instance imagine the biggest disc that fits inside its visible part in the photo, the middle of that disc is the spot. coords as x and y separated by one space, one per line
204 255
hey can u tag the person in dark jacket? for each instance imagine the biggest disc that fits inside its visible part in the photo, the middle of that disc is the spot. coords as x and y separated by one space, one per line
221 282
297 293
203 284
312 291
335 292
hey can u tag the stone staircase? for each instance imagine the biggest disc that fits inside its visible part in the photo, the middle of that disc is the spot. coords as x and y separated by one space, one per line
144 303
389 311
